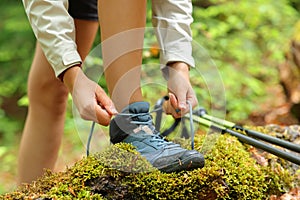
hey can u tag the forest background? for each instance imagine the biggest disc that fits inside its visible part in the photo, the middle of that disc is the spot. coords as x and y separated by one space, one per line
253 45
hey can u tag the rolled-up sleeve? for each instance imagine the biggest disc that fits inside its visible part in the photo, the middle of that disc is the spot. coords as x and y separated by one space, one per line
55 31
172 20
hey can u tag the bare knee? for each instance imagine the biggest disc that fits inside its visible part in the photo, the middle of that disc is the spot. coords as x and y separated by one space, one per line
46 93
48 96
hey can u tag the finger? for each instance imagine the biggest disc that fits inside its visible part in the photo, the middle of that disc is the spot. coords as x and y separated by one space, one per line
181 101
174 107
105 102
173 101
103 117
192 99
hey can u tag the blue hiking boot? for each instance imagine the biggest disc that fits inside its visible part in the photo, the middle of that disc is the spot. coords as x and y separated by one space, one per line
134 125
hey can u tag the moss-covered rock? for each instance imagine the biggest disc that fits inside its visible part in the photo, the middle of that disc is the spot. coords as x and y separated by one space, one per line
121 173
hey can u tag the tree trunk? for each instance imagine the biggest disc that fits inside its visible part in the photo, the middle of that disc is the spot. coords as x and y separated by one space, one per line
289 73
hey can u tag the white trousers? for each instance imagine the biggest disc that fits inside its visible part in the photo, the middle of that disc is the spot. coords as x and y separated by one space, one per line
172 19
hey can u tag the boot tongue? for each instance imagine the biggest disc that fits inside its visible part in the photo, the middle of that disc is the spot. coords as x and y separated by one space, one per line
139 108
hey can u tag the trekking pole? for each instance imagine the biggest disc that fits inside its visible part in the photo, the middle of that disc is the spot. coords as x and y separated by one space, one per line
246 139
230 125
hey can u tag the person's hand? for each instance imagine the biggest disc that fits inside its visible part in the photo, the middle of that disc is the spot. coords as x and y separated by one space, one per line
90 99
180 90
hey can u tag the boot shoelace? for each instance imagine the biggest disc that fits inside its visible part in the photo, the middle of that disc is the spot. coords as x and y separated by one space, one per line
155 135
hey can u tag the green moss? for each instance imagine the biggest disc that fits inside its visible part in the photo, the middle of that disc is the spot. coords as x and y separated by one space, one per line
120 173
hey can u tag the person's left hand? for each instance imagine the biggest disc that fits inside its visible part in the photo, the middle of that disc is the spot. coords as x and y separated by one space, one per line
180 90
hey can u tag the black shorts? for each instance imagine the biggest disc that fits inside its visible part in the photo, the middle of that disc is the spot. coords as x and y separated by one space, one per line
83 9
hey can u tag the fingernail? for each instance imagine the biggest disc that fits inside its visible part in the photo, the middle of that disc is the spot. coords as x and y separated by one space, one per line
177 110
182 105
114 110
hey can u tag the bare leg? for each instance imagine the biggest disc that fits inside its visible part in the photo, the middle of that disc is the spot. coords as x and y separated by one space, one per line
44 125
122 27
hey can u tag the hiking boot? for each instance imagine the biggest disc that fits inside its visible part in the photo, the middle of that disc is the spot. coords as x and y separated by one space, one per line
134 125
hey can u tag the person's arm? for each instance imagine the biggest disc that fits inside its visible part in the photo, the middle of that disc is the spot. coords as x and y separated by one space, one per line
172 20
55 31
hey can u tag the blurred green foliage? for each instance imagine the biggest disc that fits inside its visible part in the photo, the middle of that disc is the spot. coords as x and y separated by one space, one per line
16 52
245 39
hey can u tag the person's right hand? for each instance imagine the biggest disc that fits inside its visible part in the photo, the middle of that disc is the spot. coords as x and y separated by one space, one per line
90 99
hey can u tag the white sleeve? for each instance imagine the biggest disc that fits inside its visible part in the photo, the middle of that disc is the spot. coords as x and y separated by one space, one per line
172 20
55 31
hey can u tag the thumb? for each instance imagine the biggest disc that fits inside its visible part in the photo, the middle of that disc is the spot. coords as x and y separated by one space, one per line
173 100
